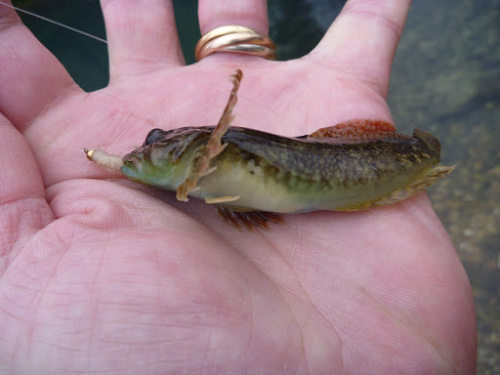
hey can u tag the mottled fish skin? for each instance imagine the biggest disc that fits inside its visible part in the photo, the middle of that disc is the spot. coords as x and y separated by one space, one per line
252 176
166 162
286 175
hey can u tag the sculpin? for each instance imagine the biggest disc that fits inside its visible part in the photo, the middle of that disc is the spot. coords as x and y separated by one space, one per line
250 176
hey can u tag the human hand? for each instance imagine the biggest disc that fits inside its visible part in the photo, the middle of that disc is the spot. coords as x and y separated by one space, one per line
98 275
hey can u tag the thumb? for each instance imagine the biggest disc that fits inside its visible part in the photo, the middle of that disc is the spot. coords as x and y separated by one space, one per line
23 206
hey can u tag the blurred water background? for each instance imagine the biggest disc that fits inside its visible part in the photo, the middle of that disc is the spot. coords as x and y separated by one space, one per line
445 79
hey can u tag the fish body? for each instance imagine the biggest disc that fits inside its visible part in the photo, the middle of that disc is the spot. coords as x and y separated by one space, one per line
250 175
268 172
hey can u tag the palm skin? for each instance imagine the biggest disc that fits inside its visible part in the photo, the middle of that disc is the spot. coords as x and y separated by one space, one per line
102 275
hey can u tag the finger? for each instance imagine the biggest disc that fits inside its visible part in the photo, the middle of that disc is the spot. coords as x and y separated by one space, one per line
141 34
30 76
23 207
249 13
363 39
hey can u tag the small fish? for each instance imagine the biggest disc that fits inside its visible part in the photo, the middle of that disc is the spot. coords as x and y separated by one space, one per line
252 176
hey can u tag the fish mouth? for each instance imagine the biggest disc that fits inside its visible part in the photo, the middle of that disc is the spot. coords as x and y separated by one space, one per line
131 166
128 172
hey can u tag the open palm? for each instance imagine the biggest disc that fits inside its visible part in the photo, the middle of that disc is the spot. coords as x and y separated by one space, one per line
99 275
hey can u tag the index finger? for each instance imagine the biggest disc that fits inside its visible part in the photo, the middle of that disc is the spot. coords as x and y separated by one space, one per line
142 35
30 76
363 39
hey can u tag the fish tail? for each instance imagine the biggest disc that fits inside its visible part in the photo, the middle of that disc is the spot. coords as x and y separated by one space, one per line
433 175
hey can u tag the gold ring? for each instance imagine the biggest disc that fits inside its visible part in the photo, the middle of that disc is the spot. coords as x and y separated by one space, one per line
235 39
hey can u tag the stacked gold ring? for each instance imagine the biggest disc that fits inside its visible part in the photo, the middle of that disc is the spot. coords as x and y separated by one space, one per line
235 39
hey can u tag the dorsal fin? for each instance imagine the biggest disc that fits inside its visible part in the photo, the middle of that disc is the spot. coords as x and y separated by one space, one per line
360 130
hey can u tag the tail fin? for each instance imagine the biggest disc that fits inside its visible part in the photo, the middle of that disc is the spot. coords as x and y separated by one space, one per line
433 175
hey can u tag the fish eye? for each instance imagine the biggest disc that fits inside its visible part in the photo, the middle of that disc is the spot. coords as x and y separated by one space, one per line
154 136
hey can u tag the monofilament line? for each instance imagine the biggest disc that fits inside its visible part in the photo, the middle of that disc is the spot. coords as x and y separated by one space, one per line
55 22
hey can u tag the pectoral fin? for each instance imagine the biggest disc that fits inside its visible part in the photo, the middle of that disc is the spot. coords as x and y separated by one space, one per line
248 219
217 200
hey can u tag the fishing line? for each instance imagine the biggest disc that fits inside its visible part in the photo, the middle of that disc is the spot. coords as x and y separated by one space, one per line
54 22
